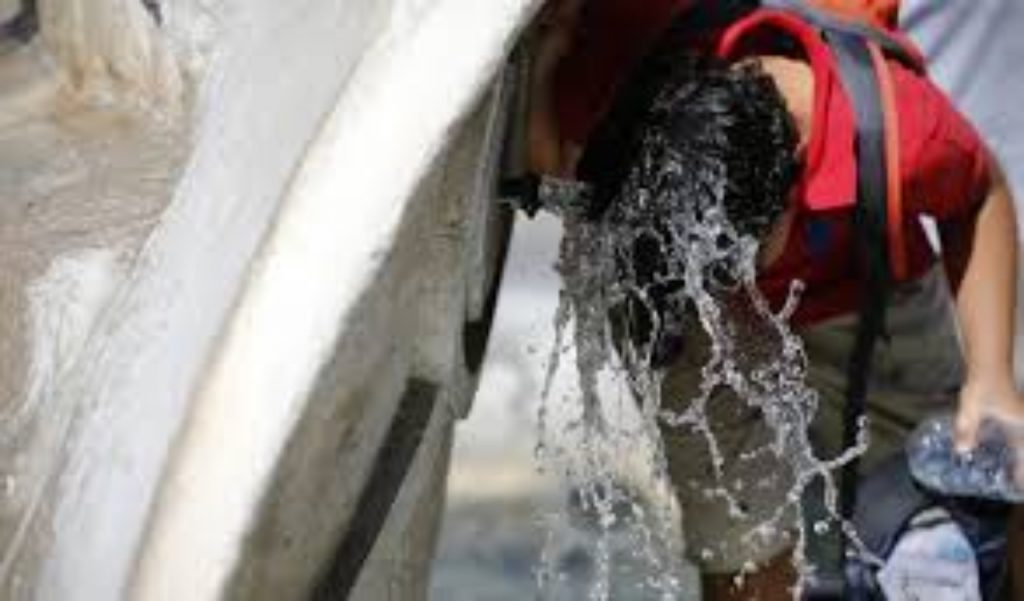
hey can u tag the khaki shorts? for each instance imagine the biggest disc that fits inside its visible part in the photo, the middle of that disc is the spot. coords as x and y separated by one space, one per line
915 375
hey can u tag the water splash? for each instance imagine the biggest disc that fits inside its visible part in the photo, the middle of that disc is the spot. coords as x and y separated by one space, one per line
659 263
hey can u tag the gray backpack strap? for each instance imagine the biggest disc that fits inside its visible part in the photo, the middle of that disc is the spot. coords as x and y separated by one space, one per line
849 43
871 224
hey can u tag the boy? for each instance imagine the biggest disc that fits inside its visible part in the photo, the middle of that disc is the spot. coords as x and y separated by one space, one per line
771 81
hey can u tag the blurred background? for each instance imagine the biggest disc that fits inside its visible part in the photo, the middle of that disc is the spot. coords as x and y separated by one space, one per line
493 532
505 518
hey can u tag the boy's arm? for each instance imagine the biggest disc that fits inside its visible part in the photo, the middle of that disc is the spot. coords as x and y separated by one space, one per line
985 303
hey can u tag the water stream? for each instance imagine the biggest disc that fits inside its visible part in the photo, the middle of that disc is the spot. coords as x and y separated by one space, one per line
639 284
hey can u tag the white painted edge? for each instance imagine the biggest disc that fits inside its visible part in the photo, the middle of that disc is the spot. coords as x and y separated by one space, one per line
336 227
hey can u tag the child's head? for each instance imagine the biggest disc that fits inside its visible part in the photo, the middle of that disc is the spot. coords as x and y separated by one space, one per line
726 125
688 140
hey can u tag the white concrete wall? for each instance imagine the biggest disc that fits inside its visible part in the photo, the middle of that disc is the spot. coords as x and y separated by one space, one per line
280 297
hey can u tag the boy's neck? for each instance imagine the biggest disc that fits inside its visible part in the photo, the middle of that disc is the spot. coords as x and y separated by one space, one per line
795 82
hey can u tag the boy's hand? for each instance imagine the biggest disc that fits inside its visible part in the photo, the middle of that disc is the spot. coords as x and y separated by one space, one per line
999 402
979 401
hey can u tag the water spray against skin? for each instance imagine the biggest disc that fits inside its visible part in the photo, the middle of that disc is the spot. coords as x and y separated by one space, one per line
705 270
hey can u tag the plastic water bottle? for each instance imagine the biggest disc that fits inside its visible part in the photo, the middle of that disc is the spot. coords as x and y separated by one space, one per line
993 469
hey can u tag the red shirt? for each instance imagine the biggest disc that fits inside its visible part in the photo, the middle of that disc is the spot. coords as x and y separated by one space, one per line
943 163
943 173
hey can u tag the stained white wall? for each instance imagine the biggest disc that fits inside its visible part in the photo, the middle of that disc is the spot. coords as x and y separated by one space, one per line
316 124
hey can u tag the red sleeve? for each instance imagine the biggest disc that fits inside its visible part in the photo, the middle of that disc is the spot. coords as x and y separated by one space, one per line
945 164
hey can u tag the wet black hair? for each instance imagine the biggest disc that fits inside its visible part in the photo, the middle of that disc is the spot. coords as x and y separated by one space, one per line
727 122
720 135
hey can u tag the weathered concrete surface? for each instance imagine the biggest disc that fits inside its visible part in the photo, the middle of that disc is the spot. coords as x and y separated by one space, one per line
259 294
410 323
81 187
110 49
345 215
